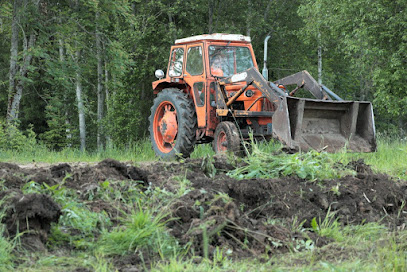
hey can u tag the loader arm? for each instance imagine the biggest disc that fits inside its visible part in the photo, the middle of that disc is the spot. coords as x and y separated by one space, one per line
304 80
301 123
251 77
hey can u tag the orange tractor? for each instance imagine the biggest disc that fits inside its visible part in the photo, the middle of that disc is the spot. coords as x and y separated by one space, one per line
213 92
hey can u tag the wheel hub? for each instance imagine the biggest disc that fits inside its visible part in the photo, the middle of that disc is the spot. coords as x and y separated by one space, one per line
168 125
222 142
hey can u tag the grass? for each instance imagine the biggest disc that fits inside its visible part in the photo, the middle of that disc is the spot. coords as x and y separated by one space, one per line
389 158
262 163
140 230
140 151
6 246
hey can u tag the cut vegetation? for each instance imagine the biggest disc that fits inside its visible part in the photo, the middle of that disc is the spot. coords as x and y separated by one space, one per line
306 211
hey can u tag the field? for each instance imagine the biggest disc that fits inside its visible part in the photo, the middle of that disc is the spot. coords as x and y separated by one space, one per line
266 211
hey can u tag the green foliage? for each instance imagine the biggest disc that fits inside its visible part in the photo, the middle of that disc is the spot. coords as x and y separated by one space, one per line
11 138
6 247
309 165
76 217
329 227
371 45
140 230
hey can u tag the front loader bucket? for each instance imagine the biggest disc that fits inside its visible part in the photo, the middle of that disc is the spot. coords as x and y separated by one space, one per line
303 124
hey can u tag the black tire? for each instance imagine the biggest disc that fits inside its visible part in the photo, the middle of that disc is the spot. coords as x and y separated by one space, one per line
226 138
184 142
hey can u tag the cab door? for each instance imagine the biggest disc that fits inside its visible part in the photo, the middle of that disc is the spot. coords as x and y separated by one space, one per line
195 77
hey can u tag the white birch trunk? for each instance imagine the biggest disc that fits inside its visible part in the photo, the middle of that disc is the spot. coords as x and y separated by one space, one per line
67 121
13 60
16 87
16 97
81 108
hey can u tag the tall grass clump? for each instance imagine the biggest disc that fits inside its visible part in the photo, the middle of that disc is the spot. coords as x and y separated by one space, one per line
202 150
306 165
140 230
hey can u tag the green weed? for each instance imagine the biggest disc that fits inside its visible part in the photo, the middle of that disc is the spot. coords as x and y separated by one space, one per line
75 218
310 165
202 150
140 230
329 227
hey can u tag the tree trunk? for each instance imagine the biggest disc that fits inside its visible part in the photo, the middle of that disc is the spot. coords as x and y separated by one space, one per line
65 95
81 108
248 18
107 97
172 27
15 97
16 86
210 16
13 60
319 59
107 94
100 95
266 11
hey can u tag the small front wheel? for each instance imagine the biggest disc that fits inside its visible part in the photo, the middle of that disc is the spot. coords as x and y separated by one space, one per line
226 138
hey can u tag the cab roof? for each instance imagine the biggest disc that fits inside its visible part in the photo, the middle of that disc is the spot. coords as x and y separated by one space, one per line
215 37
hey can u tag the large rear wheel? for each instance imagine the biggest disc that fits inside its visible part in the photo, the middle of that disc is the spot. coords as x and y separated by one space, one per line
172 124
226 138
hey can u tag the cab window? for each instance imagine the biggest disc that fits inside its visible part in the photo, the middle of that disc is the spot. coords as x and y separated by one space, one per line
228 60
177 59
194 61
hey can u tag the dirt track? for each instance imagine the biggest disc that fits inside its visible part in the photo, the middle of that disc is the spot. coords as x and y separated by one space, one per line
248 217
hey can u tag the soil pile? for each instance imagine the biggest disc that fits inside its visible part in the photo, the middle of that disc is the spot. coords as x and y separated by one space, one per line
30 216
243 217
256 216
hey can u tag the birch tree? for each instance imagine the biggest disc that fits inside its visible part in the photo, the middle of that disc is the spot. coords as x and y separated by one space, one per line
19 69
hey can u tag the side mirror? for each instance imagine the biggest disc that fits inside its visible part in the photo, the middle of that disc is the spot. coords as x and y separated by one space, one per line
159 74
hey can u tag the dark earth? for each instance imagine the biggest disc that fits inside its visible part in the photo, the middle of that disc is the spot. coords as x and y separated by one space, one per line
245 217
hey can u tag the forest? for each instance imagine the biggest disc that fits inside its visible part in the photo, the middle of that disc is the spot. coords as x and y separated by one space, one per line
78 73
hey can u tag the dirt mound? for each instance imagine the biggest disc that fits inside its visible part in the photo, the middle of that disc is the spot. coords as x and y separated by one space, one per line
30 215
108 169
33 213
76 177
255 216
243 217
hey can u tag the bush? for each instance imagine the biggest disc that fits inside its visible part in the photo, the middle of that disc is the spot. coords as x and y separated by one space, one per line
11 138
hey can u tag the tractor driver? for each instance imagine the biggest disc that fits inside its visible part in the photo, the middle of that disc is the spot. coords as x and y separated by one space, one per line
216 67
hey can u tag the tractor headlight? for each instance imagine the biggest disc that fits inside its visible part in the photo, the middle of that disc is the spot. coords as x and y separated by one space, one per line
159 74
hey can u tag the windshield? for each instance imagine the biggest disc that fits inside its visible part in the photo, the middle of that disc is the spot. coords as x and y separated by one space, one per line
228 60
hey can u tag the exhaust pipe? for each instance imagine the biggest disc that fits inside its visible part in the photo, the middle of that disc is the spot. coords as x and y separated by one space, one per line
265 71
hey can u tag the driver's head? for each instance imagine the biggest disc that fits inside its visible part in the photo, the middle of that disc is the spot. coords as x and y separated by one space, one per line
216 62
